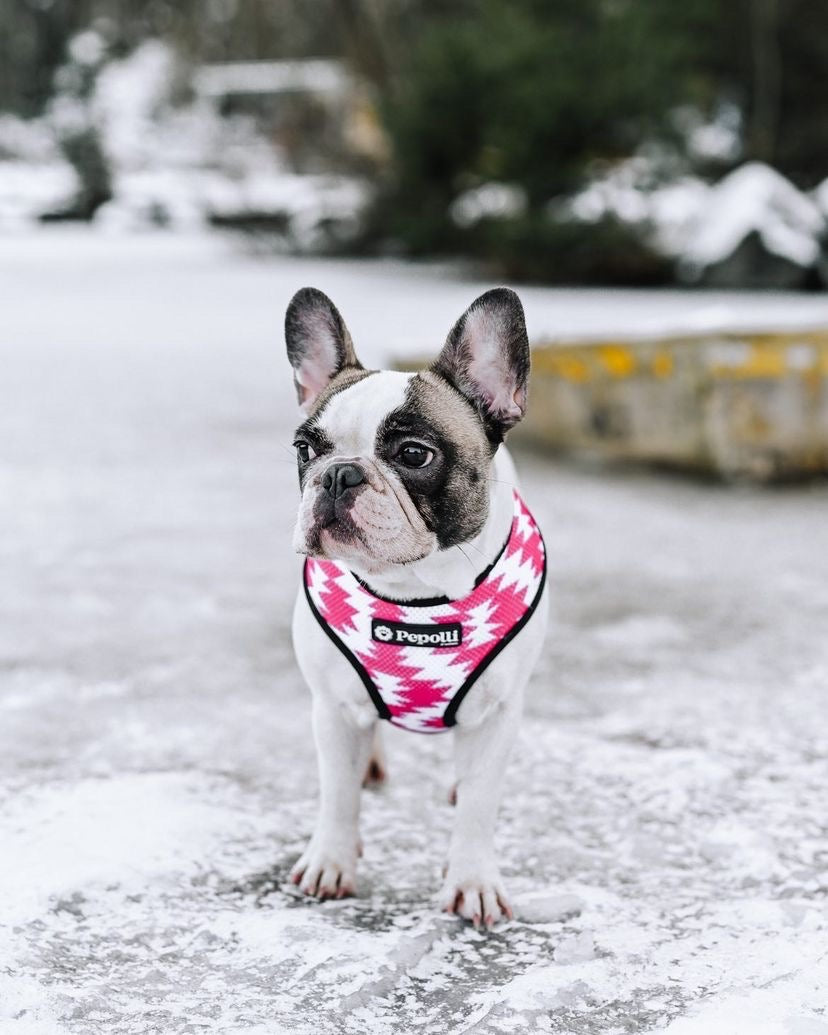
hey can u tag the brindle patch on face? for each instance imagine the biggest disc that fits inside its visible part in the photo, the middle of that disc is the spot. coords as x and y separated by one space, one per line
452 492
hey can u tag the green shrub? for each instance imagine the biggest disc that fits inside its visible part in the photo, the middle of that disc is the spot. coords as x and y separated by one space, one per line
520 91
542 249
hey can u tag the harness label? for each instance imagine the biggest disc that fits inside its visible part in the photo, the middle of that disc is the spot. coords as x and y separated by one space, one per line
400 634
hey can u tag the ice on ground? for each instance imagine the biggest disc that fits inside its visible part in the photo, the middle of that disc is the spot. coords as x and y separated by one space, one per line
154 823
792 1005
663 832
547 907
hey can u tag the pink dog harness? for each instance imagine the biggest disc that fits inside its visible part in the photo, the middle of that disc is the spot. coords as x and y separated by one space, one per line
418 659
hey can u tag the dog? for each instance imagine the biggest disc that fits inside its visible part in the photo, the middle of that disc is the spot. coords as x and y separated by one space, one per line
424 599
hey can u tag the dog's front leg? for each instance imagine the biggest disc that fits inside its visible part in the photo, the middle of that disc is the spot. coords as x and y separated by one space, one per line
327 868
473 888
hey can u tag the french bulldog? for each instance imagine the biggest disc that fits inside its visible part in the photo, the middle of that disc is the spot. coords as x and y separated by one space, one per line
424 597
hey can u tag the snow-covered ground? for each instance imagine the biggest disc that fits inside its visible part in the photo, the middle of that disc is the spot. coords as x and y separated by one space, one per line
664 831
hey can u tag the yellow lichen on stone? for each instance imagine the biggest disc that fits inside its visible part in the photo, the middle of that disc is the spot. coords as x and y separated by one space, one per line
619 360
662 364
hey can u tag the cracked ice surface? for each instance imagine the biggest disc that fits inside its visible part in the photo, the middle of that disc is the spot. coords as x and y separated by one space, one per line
664 827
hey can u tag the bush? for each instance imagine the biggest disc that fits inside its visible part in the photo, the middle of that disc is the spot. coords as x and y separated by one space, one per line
519 91
542 249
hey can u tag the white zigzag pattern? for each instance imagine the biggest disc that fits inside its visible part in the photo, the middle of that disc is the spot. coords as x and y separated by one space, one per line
390 688
480 629
518 573
317 582
524 524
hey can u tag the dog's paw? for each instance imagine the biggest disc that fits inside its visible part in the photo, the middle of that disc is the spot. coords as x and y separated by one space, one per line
326 873
476 896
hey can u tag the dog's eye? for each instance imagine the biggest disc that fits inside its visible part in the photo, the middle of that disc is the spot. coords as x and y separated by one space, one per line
305 452
412 454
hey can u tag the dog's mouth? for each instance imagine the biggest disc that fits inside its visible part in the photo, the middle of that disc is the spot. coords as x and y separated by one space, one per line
373 526
340 539
330 530
340 529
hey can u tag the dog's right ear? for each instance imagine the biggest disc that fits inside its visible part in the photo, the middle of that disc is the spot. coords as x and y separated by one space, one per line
318 344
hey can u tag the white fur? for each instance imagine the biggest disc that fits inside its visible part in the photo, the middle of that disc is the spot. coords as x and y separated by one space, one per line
352 417
344 717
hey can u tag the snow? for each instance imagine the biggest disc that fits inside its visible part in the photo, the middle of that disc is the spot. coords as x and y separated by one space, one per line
756 198
663 831
26 140
319 76
175 163
713 139
618 192
820 196
92 279
639 191
793 1005
702 225
488 201
34 177
130 98
28 189
633 192
673 209
87 48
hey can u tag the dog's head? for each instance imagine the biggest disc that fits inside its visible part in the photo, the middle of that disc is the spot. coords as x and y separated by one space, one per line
395 466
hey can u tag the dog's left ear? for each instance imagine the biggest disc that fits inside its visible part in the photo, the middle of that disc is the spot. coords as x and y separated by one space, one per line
319 345
486 357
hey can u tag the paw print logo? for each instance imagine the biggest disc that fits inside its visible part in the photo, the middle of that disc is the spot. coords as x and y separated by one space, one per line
382 632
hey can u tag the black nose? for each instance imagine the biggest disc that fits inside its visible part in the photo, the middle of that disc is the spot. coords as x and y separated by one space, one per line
340 477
